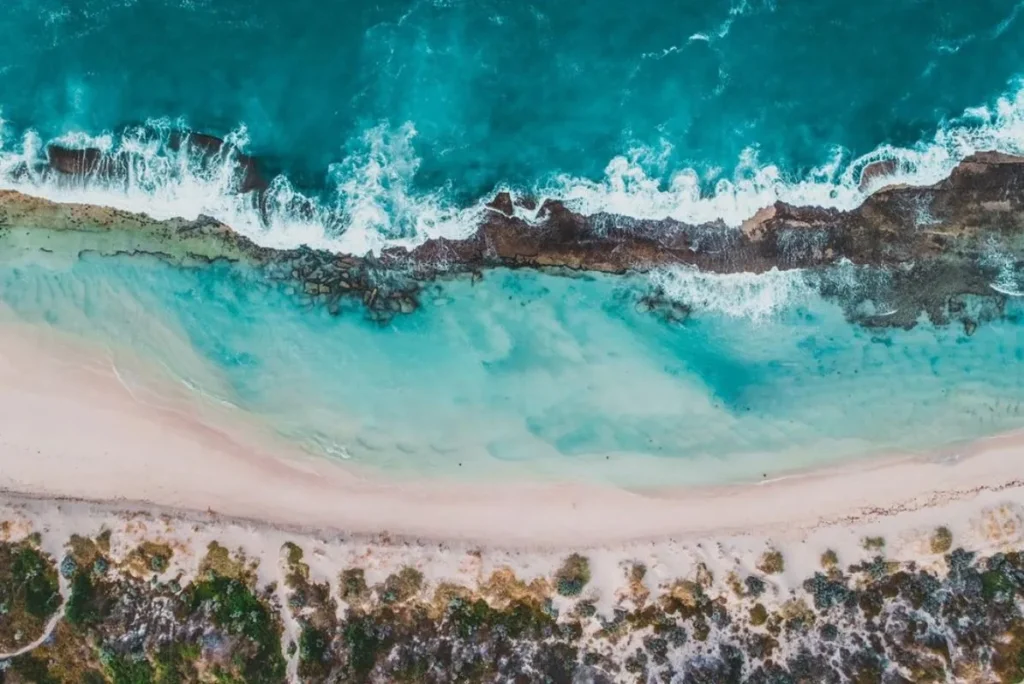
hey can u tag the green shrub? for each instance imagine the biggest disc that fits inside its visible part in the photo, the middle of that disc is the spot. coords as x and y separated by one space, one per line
573 575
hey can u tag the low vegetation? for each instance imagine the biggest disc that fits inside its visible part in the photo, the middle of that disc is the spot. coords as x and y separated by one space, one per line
218 625
573 575
942 540
772 562
29 594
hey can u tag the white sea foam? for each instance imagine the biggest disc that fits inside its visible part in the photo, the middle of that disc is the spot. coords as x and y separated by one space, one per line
373 202
631 188
1007 281
372 206
737 295
1008 21
376 203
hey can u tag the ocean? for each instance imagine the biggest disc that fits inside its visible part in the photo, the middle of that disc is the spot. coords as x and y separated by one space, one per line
388 123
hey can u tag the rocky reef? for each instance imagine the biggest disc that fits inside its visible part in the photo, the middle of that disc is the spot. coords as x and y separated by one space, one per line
111 608
952 251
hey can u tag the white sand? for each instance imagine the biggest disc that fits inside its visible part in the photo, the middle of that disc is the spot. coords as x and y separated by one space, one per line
70 427
142 464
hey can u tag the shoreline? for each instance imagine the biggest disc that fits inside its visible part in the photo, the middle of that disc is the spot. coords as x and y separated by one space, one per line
657 607
111 447
942 269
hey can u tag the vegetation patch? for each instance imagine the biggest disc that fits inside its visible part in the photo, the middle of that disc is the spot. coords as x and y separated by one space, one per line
354 590
504 587
120 629
176 663
29 594
126 668
249 619
573 575
220 562
401 586
84 551
942 540
638 591
873 543
149 557
315 609
90 600
771 562
758 614
67 657
960 620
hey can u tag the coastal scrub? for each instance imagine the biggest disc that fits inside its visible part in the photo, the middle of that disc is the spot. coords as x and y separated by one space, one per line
771 562
573 575
29 594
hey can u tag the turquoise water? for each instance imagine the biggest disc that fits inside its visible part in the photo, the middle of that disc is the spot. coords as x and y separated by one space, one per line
532 83
396 114
397 119
525 374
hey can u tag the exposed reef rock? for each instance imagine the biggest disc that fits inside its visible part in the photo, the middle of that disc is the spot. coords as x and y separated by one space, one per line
91 163
879 169
88 162
930 246
210 147
973 213
950 251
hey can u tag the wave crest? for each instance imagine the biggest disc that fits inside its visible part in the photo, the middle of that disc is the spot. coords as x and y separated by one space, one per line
371 201
370 205
632 184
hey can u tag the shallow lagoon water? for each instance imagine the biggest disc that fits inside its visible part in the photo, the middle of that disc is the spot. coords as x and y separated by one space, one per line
533 375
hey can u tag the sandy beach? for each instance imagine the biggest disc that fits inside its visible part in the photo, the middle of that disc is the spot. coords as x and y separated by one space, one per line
72 426
144 505
87 450
491 343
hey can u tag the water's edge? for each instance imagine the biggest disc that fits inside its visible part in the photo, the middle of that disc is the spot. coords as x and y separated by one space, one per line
676 375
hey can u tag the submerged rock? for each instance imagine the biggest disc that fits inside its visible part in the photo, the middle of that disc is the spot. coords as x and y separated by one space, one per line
210 147
92 163
87 163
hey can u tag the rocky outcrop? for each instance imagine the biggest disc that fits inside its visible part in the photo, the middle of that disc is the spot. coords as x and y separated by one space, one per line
914 250
89 162
208 147
925 248
93 163
877 170
978 210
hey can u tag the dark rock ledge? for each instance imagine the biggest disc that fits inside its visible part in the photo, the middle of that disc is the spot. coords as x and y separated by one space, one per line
932 250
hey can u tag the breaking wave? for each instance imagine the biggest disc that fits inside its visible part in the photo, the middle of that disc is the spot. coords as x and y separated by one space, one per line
755 296
370 205
633 184
371 200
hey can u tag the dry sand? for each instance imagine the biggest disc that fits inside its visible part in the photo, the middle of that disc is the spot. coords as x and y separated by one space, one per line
70 427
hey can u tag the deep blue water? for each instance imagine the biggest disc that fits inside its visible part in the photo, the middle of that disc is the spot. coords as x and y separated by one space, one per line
396 109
